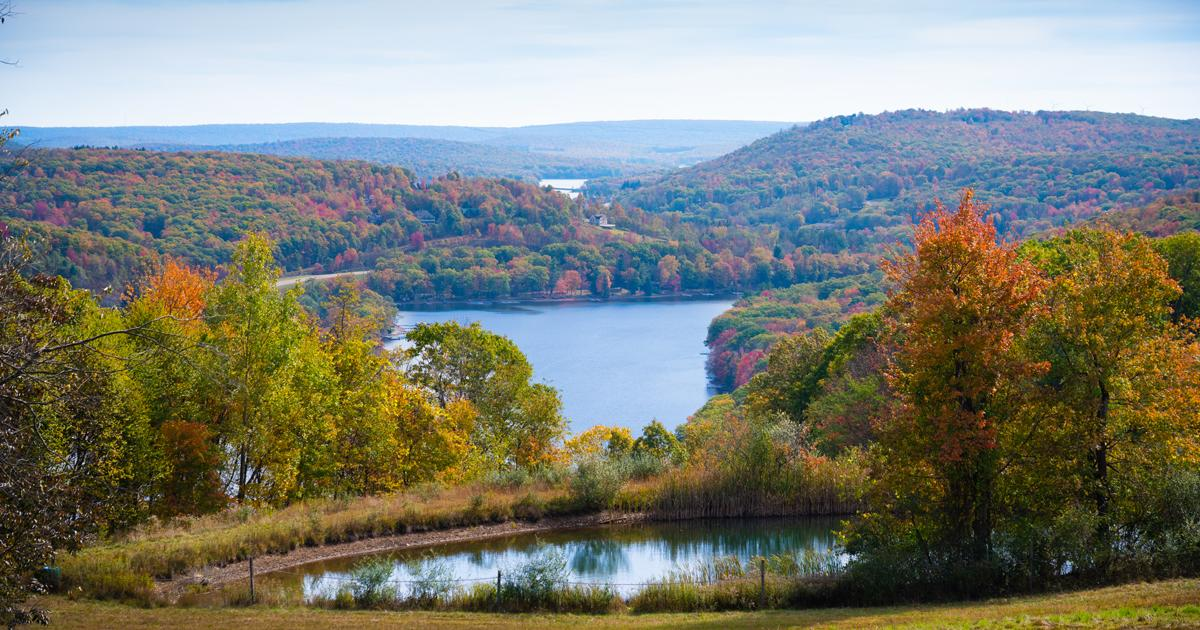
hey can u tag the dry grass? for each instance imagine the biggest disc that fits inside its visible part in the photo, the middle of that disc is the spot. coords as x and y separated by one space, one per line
1169 604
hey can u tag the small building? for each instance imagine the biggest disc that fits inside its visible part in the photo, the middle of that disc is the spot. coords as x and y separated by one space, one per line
425 217
600 220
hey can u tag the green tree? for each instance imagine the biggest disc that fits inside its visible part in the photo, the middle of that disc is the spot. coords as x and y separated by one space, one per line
518 422
76 453
795 367
657 441
254 328
1182 253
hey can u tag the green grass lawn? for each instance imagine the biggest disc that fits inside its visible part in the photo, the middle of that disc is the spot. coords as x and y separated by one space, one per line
1168 604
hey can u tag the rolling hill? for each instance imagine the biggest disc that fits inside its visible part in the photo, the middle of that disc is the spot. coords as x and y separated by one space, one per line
871 173
100 216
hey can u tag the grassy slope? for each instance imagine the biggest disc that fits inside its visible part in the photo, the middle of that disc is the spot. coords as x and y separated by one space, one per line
1170 604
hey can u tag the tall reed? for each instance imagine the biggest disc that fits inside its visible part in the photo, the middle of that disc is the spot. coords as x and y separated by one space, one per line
800 487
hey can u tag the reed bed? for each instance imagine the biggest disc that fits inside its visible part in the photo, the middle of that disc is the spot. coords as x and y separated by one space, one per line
588 599
541 584
782 581
804 487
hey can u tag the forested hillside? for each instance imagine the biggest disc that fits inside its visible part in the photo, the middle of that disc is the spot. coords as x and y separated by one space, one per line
1034 169
854 182
103 211
100 214
1163 217
843 190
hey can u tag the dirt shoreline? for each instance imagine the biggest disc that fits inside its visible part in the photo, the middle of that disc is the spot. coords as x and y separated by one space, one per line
220 575
421 305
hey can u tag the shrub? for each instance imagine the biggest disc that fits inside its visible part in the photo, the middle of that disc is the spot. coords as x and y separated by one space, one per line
543 573
595 484
640 465
529 508
551 474
432 581
516 477
726 584
541 584
369 583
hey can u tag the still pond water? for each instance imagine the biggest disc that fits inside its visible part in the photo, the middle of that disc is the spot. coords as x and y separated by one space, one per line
614 363
624 556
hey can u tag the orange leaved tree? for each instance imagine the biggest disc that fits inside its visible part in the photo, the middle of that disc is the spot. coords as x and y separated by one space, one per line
962 300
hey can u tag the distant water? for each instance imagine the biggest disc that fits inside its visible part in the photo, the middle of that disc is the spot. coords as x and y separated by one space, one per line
570 187
622 363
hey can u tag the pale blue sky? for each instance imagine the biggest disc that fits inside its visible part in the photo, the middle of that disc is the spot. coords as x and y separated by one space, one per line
495 62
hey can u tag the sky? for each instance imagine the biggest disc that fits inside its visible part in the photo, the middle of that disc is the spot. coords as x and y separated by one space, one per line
518 62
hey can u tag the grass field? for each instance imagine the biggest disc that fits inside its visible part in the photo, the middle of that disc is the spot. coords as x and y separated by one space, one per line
1168 604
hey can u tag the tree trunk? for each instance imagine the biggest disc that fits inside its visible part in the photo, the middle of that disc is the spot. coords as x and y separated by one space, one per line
1099 459
243 466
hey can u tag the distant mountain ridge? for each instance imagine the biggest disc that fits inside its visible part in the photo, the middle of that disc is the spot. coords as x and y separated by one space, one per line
667 142
428 158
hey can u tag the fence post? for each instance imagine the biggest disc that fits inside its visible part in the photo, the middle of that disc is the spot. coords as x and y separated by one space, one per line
497 590
762 583
252 600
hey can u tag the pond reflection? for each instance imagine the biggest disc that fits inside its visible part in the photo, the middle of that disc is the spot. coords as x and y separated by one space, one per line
624 554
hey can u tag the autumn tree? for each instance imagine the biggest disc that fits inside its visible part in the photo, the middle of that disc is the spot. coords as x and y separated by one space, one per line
668 272
569 283
962 301
172 368
598 441
1122 383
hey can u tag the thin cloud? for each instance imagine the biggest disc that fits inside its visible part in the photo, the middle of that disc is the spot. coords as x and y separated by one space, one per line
493 62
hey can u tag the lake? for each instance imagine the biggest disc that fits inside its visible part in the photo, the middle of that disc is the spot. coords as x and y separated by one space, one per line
624 556
617 363
569 187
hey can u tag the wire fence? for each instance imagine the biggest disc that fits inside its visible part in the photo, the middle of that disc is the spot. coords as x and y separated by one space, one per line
499 576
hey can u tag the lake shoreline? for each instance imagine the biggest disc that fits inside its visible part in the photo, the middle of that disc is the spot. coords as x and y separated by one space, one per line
439 304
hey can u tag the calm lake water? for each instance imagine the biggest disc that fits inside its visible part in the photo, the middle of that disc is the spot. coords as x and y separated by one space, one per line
620 555
615 363
570 187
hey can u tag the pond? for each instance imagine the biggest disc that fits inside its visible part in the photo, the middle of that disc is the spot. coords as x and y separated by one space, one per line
616 363
624 556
